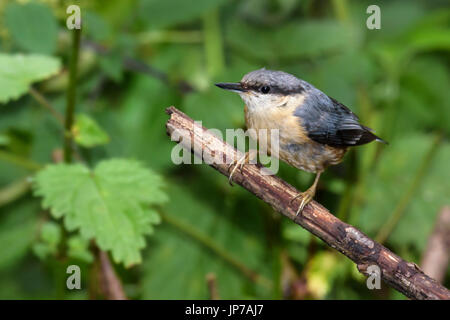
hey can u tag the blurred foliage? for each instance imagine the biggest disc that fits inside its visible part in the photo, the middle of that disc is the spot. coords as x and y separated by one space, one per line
139 57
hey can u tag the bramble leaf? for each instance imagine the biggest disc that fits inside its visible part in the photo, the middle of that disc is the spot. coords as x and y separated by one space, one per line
110 203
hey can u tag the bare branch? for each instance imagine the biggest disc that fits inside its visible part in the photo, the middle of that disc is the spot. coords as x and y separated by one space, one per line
403 276
211 281
110 284
437 254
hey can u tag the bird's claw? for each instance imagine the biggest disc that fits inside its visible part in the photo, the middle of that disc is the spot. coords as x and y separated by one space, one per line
236 165
239 164
306 198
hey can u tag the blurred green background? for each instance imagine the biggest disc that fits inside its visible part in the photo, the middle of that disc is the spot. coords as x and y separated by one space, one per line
138 57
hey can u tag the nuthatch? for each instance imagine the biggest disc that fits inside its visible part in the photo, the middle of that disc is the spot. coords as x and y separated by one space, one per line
315 130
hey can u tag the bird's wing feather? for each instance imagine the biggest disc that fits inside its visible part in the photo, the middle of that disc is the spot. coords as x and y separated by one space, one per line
329 122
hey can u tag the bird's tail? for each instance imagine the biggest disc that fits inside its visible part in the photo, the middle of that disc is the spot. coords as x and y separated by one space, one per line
370 136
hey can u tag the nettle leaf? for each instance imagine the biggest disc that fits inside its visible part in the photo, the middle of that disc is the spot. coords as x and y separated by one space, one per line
18 72
110 203
87 132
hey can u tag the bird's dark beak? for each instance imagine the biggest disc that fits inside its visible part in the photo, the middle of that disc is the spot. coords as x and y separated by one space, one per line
236 87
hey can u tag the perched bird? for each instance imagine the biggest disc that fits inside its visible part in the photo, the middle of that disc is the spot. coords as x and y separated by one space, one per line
315 130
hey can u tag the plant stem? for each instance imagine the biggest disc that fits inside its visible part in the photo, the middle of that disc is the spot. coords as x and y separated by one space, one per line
170 36
340 8
213 43
44 102
14 191
19 161
71 95
402 205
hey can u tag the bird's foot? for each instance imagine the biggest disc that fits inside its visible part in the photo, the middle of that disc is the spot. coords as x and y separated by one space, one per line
306 198
247 158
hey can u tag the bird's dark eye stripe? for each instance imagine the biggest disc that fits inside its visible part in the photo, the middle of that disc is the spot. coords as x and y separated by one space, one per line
275 89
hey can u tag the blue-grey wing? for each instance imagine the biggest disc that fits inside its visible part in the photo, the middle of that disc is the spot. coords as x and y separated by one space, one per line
329 122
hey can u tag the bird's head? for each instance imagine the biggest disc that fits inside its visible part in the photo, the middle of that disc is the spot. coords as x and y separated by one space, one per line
261 89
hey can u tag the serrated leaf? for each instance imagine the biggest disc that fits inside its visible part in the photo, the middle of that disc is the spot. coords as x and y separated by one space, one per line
87 132
109 204
18 72
27 24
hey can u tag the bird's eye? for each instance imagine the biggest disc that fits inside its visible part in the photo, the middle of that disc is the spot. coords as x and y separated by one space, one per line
265 89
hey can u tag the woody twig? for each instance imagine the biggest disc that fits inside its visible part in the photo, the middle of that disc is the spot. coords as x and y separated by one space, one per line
401 275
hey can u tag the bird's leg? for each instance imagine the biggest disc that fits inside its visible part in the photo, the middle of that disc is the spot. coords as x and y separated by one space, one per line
308 195
249 156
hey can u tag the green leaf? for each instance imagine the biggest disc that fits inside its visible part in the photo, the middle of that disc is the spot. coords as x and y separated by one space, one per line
32 26
217 108
305 39
17 231
430 39
78 248
87 132
396 171
195 240
160 14
95 26
51 233
322 269
141 121
424 96
111 64
18 72
109 204
4 140
50 237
